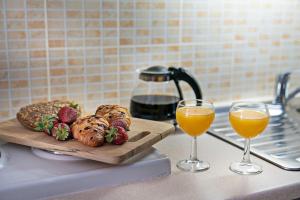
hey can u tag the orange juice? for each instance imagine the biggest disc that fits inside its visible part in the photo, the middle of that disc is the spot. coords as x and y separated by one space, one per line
194 120
248 123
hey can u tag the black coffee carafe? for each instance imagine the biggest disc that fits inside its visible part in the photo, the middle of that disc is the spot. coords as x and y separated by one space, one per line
158 92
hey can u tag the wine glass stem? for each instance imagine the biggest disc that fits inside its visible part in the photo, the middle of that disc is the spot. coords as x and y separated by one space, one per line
246 155
194 149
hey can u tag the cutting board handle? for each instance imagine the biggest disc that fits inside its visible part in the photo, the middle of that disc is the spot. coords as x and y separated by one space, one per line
139 136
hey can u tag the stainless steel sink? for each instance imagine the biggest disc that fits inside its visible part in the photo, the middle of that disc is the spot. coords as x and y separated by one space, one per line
280 142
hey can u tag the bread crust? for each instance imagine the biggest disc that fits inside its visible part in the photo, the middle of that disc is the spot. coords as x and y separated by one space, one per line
29 115
114 112
90 130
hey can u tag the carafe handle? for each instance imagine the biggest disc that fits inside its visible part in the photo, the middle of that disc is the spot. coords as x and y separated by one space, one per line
180 74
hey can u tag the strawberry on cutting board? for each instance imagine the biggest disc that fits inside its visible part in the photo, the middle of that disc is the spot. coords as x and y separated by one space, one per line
121 123
61 131
116 135
67 115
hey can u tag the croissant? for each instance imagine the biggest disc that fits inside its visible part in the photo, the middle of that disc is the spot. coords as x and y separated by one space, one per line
90 130
114 112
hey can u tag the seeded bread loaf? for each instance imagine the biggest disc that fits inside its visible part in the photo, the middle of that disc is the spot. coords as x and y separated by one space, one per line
29 115
90 130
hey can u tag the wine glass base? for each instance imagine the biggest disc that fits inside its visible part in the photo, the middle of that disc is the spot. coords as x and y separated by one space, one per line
192 165
245 168
3 158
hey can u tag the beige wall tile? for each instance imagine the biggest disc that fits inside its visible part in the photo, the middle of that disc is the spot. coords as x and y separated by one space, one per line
94 79
55 14
19 103
17 64
36 25
58 90
74 4
92 14
36 44
19 83
56 24
39 93
57 72
16 35
109 24
75 70
74 14
76 80
58 81
35 3
18 74
55 4
39 99
92 4
88 57
16 25
4 84
17 44
38 73
93 61
35 14
15 14
36 34
38 54
56 43
75 61
38 63
15 4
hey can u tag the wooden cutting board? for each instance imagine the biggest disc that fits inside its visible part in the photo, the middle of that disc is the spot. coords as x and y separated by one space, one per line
142 135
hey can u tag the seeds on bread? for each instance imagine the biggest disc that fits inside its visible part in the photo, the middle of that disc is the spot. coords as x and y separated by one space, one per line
30 115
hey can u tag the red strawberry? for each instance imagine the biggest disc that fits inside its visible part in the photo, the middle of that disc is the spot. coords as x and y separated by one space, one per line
61 131
67 115
120 122
116 135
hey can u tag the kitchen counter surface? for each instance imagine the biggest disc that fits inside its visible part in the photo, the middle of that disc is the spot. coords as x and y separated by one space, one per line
216 183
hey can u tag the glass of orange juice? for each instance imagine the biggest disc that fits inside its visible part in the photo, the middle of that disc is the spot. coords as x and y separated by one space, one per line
248 119
194 118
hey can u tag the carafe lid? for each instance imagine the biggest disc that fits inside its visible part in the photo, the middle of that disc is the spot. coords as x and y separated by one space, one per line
156 74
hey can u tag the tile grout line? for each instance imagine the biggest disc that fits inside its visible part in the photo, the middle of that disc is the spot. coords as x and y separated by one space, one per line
137 45
135 50
165 35
27 52
232 78
150 36
118 49
101 53
47 50
66 57
180 31
7 61
84 56
256 70
165 49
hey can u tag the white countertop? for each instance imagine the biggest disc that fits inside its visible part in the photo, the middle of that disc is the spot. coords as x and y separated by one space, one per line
216 183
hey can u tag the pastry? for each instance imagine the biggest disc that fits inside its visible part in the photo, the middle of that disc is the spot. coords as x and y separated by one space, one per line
30 115
114 113
90 130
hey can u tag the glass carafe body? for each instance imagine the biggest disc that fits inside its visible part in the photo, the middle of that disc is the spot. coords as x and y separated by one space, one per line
154 100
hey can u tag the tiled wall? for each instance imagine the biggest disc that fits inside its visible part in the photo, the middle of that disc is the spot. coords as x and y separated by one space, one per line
88 50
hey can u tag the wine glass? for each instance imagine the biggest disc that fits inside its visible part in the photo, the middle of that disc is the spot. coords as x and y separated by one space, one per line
248 119
3 157
194 118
